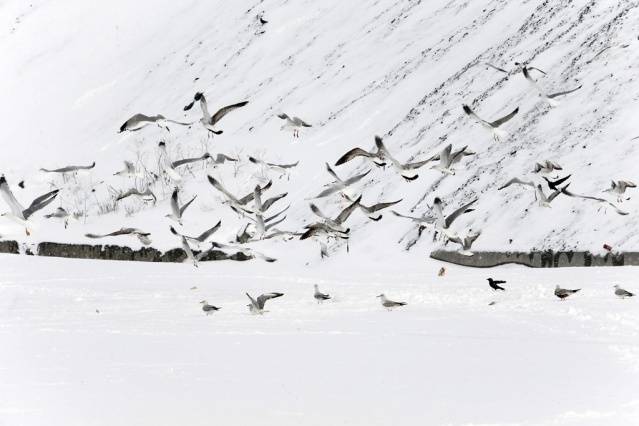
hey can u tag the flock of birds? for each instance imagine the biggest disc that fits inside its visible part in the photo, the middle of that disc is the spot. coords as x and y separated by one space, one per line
257 305
254 207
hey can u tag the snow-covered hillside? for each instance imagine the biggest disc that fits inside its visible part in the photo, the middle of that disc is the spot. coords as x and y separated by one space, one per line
75 72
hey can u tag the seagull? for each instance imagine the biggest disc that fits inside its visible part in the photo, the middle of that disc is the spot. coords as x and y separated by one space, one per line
19 213
293 123
319 296
189 253
207 120
200 238
563 293
257 306
222 158
208 309
372 209
545 201
401 168
599 200
442 223
261 19
620 292
137 193
60 213
69 169
550 98
465 242
282 168
248 252
235 203
176 210
516 180
390 304
493 126
322 229
168 165
488 64
546 167
184 161
339 184
359 152
554 185
494 284
338 222
619 188
142 236
447 159
128 171
138 121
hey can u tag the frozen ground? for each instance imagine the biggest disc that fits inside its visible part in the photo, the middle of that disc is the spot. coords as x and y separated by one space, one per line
151 357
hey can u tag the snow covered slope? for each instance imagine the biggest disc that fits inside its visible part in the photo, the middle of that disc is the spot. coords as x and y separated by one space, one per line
73 73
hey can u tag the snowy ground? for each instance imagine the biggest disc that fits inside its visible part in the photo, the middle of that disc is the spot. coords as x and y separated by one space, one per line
151 357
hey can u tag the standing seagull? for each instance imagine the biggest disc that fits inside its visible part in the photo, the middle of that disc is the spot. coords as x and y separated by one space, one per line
139 121
19 213
207 120
208 309
390 304
492 126
319 296
619 188
620 292
293 123
550 98
257 306
494 284
176 210
563 293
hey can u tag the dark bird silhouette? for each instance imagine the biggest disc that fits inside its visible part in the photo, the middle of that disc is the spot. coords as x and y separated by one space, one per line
554 185
494 284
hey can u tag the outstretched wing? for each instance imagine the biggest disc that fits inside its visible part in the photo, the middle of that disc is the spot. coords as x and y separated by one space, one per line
40 203
186 205
454 215
225 110
354 153
516 181
341 218
261 300
505 118
566 92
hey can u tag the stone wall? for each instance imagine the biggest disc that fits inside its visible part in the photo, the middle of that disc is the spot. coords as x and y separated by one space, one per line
537 259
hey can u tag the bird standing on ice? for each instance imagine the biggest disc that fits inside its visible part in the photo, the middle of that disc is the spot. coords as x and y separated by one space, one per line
389 304
563 293
319 296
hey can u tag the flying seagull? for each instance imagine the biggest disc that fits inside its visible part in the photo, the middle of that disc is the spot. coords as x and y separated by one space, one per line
69 169
257 306
142 236
447 159
339 184
442 223
494 284
323 230
488 64
62 214
563 293
546 167
374 208
200 238
545 201
207 120
137 193
338 222
208 309
620 292
189 253
549 97
294 123
19 213
319 296
374 156
554 185
492 126
236 204
176 210
222 158
465 242
128 171
404 169
619 187
184 161
518 181
139 121
597 199
282 168
246 251
389 304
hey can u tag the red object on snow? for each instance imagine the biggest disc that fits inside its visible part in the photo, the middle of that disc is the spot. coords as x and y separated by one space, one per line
607 247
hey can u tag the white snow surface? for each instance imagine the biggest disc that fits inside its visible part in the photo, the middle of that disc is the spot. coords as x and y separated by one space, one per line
152 357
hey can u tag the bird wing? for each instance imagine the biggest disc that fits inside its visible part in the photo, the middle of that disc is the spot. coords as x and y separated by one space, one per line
225 110
472 114
187 249
283 116
7 196
444 156
330 190
454 215
601 200
129 167
413 218
283 166
184 161
271 225
379 206
299 122
384 154
217 185
257 197
353 179
566 92
495 68
175 207
39 203
556 193
268 203
354 153
470 239
204 106
186 205
318 212
505 118
261 300
628 183
341 218
332 173
206 234
253 301
514 181
221 158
